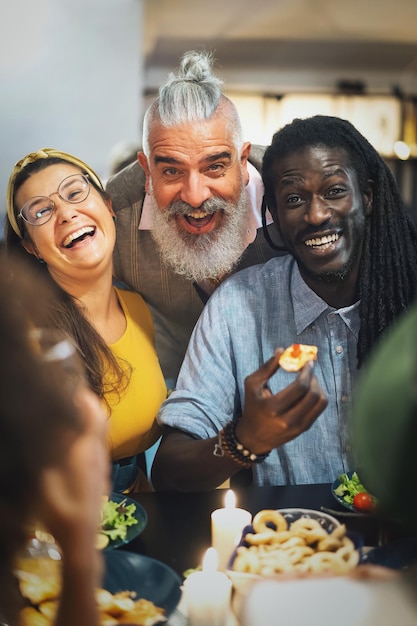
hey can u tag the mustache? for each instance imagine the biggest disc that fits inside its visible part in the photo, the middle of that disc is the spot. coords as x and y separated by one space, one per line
209 206
317 231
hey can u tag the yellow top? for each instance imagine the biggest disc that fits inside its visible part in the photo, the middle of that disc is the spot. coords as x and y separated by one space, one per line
133 428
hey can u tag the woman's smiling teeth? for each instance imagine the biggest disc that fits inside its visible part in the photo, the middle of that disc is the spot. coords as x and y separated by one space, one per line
78 235
322 241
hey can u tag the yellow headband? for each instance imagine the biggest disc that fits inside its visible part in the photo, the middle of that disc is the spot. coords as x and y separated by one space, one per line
30 158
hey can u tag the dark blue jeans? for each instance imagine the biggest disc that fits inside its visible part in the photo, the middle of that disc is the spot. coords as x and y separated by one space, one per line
125 471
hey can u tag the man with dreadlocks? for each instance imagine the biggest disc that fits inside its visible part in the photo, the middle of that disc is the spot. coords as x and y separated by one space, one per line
351 271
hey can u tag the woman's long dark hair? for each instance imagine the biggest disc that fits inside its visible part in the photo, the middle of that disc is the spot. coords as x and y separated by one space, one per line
388 272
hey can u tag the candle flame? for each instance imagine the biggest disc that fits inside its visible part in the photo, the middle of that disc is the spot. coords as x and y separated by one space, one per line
230 499
210 560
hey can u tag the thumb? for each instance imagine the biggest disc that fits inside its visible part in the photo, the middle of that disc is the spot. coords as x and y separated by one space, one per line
268 369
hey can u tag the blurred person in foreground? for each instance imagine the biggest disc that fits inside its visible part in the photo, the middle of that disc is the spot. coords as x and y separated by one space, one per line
54 467
189 211
60 219
351 270
384 425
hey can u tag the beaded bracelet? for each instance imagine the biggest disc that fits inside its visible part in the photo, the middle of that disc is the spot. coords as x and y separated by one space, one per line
229 443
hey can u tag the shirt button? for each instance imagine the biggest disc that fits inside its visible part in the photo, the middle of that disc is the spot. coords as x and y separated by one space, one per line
339 349
344 398
348 448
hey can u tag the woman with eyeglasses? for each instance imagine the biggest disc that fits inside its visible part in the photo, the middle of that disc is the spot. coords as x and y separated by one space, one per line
61 220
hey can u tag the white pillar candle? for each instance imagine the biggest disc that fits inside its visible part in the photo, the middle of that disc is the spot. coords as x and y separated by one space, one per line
207 594
226 528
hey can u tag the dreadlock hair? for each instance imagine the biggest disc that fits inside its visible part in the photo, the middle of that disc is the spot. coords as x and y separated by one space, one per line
388 270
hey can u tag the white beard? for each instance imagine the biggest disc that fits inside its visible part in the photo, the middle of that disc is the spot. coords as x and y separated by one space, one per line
207 256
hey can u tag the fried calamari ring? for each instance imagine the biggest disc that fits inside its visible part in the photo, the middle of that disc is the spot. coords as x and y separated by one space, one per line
257 539
293 542
348 554
309 529
280 565
297 553
325 562
304 547
264 519
330 544
281 536
339 532
334 540
246 561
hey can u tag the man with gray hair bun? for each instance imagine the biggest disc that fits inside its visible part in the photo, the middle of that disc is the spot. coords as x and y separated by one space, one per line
189 211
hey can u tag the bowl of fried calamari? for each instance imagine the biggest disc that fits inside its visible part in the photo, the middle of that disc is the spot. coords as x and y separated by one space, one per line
288 543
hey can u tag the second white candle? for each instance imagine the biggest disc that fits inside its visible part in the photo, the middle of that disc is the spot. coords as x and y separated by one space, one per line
207 594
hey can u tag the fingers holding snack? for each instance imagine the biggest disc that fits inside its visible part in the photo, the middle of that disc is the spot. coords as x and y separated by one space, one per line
297 406
257 382
291 359
303 399
270 420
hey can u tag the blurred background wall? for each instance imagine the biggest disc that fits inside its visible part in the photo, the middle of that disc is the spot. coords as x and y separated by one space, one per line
286 58
79 75
71 76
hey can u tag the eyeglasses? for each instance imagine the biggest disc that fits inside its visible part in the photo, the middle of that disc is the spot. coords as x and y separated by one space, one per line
39 209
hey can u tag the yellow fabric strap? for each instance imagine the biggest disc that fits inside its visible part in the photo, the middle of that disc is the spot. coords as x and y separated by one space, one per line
45 153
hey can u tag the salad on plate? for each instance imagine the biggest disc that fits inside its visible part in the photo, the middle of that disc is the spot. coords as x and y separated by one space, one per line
350 491
120 516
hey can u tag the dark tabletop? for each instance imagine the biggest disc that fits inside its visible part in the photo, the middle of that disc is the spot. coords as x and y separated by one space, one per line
178 528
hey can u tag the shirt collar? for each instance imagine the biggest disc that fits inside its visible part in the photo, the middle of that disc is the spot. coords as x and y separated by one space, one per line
308 306
350 315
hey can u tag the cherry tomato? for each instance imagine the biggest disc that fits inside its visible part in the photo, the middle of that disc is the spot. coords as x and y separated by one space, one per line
296 350
363 501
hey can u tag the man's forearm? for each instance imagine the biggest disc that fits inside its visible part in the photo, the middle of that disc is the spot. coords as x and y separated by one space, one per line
183 463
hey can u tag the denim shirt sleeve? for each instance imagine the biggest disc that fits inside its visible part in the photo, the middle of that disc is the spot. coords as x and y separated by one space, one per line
206 395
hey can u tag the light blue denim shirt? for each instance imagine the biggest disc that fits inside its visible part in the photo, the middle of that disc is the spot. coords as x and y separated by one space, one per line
249 315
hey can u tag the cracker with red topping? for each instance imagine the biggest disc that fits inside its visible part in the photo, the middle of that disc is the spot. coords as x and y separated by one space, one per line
296 356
